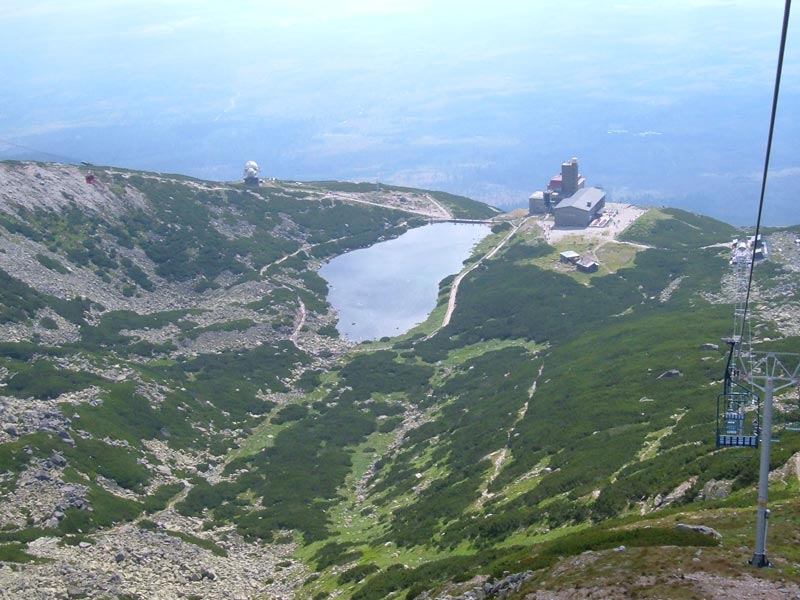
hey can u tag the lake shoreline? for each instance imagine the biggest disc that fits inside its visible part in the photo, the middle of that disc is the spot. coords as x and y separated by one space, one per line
390 287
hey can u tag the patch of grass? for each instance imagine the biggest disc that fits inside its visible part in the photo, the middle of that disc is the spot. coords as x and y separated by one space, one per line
15 553
159 499
237 325
24 536
108 509
214 548
52 263
514 560
674 228
42 380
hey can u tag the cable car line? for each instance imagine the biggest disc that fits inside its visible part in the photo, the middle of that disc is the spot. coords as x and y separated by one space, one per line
773 115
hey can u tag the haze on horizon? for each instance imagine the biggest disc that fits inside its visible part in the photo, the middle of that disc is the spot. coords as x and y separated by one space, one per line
664 102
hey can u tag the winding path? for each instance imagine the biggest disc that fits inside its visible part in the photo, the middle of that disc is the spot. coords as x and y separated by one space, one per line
452 301
301 320
303 248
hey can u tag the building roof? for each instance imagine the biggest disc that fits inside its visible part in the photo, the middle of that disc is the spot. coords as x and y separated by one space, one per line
587 265
570 254
584 199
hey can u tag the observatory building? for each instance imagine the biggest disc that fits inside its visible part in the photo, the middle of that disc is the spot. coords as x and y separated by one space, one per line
572 204
251 171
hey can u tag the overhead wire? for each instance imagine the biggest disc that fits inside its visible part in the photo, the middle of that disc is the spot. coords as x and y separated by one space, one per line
774 113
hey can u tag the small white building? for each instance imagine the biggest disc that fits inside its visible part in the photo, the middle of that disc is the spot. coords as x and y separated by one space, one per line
587 265
570 256
536 204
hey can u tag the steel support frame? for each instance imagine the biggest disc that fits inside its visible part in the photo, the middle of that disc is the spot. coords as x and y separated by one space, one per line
769 372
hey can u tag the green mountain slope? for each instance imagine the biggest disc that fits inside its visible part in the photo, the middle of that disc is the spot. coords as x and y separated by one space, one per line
174 386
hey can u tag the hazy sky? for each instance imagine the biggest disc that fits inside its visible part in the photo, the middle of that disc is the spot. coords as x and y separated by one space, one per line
664 102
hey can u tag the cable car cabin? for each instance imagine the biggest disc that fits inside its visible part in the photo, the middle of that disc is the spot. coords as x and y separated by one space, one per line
90 178
748 441
734 411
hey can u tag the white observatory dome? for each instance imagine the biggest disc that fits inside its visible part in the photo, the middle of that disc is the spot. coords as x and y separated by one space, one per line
251 169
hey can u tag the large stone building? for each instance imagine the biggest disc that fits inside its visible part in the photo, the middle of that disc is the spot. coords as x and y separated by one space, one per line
580 209
566 197
561 185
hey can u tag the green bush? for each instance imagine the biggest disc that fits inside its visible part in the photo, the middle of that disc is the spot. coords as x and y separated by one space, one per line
335 553
52 264
107 510
357 573
15 553
159 499
292 412
42 380
48 323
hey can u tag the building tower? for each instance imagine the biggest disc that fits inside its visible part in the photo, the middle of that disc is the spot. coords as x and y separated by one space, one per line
569 178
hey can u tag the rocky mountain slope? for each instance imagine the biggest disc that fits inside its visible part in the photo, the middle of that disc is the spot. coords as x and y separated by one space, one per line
149 323
180 417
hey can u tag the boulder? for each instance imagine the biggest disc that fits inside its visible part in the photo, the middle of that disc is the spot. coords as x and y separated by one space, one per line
704 529
670 373
716 490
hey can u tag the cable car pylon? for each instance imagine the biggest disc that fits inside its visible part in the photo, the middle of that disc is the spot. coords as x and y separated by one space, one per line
767 371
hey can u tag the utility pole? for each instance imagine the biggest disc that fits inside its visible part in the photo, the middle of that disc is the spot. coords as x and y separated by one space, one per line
769 372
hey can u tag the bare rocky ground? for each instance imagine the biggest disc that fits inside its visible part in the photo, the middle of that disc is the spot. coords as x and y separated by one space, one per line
775 301
780 303
135 563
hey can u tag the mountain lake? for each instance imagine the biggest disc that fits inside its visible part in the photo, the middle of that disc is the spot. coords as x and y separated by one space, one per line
388 288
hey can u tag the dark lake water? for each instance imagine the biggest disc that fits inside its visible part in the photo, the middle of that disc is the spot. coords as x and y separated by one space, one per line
388 288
